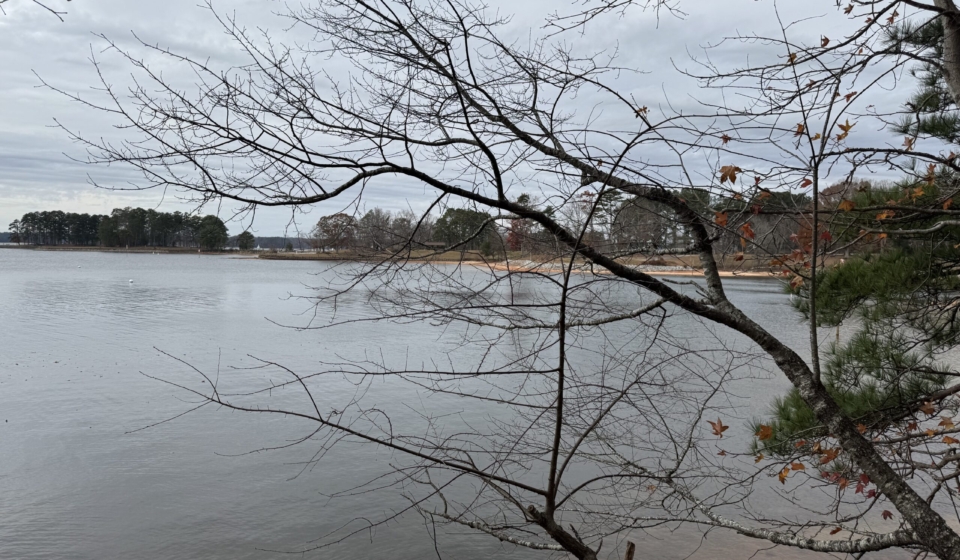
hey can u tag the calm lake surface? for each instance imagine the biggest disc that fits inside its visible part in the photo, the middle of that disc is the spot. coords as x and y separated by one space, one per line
76 338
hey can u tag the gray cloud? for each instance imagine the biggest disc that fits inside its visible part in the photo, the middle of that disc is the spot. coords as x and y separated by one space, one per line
36 175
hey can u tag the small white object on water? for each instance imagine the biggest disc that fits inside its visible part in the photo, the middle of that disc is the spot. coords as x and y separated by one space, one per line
131 281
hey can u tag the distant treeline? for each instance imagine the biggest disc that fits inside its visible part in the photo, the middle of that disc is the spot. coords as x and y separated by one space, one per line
124 227
276 242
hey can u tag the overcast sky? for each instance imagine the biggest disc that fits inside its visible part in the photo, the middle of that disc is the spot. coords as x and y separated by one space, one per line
37 174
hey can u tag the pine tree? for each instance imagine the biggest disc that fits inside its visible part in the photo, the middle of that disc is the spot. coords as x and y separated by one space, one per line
931 110
900 295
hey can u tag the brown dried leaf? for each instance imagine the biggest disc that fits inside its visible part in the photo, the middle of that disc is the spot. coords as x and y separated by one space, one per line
729 173
720 218
718 427
783 475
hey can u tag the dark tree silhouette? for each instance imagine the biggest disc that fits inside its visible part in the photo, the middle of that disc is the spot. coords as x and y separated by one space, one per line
594 440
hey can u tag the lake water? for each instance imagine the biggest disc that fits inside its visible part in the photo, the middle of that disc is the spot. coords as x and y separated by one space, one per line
77 481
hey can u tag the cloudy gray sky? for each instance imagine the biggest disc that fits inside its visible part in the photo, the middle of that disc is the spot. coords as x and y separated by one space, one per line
37 174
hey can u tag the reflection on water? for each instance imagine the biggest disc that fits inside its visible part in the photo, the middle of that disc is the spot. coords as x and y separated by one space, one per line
75 483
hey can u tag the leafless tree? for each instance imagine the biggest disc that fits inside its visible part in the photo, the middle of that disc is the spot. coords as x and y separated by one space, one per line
602 423
45 5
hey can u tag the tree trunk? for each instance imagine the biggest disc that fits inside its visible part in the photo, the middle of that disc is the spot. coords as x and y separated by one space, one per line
951 46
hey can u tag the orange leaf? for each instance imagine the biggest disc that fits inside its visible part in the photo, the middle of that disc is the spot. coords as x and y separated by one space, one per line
946 422
950 441
798 467
848 9
747 230
721 219
845 128
886 215
948 204
826 236
829 455
908 143
725 138
843 483
759 458
722 453
929 432
912 427
800 443
738 258
718 427
846 205
763 194
886 514
806 183
764 433
928 408
729 173
850 96
862 428
793 58
837 530
783 475
816 136
800 129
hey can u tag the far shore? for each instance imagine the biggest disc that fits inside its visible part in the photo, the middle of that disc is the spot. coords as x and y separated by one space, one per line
98 249
677 265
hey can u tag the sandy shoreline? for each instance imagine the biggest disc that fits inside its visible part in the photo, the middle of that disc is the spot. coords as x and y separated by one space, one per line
651 270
